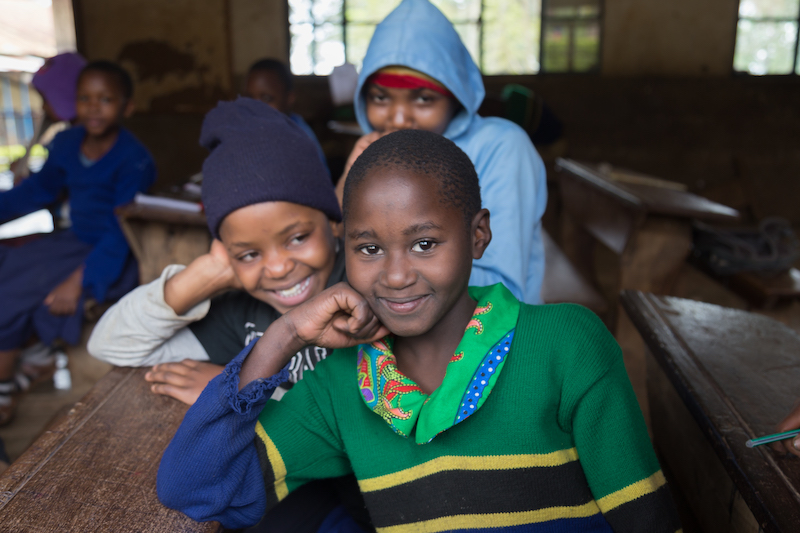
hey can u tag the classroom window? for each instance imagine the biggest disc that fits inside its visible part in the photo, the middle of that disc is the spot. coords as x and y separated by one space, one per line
503 36
767 37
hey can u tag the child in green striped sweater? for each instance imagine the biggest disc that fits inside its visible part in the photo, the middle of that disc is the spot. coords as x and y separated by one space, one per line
457 409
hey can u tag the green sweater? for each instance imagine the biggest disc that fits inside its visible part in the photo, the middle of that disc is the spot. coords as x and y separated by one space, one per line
558 445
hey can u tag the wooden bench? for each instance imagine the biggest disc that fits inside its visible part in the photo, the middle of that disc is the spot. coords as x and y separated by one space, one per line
717 377
648 227
563 283
94 469
159 237
764 292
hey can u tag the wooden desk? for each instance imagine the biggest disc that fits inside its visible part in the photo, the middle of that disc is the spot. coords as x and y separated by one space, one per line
160 237
94 468
717 377
648 227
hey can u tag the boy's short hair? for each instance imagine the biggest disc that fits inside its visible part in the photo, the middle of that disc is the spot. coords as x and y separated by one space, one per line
114 70
426 153
273 65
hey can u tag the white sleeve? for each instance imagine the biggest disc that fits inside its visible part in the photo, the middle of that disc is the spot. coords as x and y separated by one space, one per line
142 330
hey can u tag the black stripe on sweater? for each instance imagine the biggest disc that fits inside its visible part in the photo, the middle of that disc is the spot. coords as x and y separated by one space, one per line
268 473
646 513
458 492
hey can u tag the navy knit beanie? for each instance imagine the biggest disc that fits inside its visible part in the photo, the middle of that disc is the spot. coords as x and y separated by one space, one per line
259 155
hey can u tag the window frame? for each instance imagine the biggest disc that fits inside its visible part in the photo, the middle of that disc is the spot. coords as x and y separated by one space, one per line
795 67
344 22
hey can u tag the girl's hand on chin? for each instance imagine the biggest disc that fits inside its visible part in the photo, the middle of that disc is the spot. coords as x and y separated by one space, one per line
338 317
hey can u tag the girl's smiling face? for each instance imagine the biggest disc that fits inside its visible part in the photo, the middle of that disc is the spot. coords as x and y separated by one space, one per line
282 253
390 109
409 254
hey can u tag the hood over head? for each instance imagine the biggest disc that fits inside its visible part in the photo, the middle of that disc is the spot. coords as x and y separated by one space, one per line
417 35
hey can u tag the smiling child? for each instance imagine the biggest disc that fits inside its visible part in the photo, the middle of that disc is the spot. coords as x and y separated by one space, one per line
271 210
43 284
456 408
417 74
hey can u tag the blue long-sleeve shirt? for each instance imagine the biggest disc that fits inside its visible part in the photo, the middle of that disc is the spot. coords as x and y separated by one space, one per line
94 192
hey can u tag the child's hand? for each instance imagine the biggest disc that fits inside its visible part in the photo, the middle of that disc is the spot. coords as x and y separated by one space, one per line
338 317
183 381
792 421
63 300
219 264
206 276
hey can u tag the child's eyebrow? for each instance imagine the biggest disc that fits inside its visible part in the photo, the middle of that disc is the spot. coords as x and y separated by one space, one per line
366 234
420 228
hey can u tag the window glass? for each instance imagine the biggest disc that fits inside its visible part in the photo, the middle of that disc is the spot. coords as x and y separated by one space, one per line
511 36
765 47
503 36
768 8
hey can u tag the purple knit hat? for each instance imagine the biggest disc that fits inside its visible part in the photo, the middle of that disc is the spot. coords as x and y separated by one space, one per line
259 155
57 82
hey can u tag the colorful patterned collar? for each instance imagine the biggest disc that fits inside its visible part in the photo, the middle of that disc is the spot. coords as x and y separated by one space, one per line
471 373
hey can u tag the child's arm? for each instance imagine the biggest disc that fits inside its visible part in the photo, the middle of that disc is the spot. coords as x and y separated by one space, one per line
211 469
792 421
104 263
38 191
611 437
514 190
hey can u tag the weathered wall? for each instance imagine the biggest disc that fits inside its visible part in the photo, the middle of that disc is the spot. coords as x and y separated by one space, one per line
177 51
259 29
668 38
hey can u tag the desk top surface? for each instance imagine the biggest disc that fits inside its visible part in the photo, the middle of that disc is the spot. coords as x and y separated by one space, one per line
738 374
94 468
160 214
659 200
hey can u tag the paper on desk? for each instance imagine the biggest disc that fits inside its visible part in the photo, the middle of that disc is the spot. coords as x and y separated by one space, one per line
167 203
343 81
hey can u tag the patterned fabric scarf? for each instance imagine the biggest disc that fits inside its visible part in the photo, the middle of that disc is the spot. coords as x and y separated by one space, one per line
470 377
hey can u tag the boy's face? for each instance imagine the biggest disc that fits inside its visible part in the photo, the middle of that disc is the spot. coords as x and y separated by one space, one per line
407 253
100 104
390 109
282 253
267 86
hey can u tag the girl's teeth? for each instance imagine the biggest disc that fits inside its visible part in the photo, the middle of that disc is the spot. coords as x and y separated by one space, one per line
297 289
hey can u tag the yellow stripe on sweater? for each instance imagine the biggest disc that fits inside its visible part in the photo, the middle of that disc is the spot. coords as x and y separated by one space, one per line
493 520
275 459
452 462
631 492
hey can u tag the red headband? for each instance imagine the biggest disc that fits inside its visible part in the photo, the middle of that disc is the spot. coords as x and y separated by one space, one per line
406 81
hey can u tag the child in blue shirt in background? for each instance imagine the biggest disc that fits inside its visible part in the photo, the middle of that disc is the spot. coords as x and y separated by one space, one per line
417 74
43 284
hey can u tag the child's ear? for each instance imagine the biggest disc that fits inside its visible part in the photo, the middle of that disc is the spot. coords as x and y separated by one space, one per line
290 98
336 228
130 107
481 233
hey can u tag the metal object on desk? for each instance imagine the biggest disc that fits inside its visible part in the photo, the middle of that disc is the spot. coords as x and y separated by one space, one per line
718 377
647 226
94 468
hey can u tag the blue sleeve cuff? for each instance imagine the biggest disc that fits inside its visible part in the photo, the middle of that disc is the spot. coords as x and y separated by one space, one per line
256 393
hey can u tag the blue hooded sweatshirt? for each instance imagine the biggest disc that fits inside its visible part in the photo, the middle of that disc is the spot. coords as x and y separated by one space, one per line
511 173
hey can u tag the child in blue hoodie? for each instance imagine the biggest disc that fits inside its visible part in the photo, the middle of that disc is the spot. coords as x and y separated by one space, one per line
417 74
